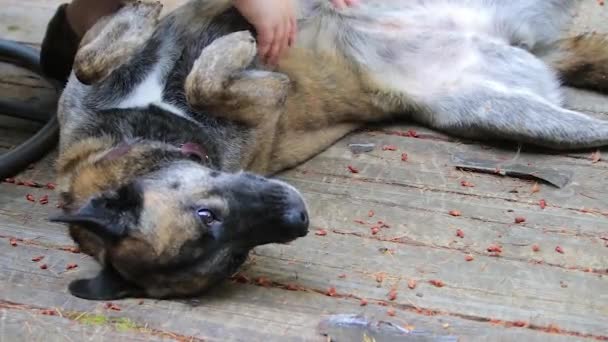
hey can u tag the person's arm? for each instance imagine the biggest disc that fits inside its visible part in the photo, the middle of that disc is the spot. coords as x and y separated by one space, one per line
83 14
275 23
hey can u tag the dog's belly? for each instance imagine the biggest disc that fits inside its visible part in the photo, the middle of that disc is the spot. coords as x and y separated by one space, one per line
404 45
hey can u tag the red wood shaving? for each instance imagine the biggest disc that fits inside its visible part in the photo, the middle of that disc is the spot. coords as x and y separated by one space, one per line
363 302
38 258
455 213
520 219
342 276
436 283
467 184
375 230
321 232
520 324
50 186
360 222
542 203
44 200
262 281
43 267
19 182
389 148
74 250
391 312
352 169
71 266
494 248
240 278
404 157
412 133
331 291
469 258
600 2
48 312
371 213
411 284
596 156
112 306
460 233
292 287
535 188
30 198
10 180
141 302
535 248
559 250
13 242
392 295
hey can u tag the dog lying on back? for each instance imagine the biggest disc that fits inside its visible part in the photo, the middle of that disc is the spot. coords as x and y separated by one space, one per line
160 116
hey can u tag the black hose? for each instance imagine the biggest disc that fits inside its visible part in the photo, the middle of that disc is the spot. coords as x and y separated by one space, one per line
37 146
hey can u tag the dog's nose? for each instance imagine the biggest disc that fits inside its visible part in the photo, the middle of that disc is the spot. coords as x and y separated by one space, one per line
296 220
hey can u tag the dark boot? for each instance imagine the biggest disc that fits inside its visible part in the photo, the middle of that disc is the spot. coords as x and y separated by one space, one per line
59 47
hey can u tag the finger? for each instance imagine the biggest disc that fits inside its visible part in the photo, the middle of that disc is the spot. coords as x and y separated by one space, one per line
277 43
265 39
286 38
351 2
294 30
338 3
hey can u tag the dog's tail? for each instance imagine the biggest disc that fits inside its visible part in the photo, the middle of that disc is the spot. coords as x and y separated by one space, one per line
581 61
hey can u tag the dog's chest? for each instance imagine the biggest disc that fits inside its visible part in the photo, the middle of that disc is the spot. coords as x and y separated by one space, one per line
150 91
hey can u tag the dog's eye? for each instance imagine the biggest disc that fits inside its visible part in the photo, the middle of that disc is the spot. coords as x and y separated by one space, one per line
206 216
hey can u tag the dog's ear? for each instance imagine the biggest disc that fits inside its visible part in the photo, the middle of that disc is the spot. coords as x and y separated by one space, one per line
107 285
109 215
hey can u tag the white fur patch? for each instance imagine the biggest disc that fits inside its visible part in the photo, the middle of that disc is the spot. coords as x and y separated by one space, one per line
150 92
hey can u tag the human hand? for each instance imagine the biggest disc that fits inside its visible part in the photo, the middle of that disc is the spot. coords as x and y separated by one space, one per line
343 3
275 23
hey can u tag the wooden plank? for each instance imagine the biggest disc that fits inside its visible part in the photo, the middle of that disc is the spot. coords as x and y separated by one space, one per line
491 294
22 324
429 167
234 311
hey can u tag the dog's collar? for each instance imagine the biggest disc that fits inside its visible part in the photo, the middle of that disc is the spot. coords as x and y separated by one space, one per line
188 149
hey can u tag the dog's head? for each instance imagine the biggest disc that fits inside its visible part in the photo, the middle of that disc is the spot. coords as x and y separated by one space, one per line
179 229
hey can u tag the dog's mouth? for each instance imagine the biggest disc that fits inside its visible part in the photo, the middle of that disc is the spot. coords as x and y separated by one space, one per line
189 150
194 151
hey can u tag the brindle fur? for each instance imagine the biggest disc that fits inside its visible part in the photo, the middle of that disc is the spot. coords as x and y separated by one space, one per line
478 68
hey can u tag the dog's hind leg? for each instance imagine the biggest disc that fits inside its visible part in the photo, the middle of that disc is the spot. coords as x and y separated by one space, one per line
510 94
114 40
489 111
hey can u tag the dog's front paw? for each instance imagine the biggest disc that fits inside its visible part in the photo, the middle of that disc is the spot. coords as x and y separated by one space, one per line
217 64
229 54
115 39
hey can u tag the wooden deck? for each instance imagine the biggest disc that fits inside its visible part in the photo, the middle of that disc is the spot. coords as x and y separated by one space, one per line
283 292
